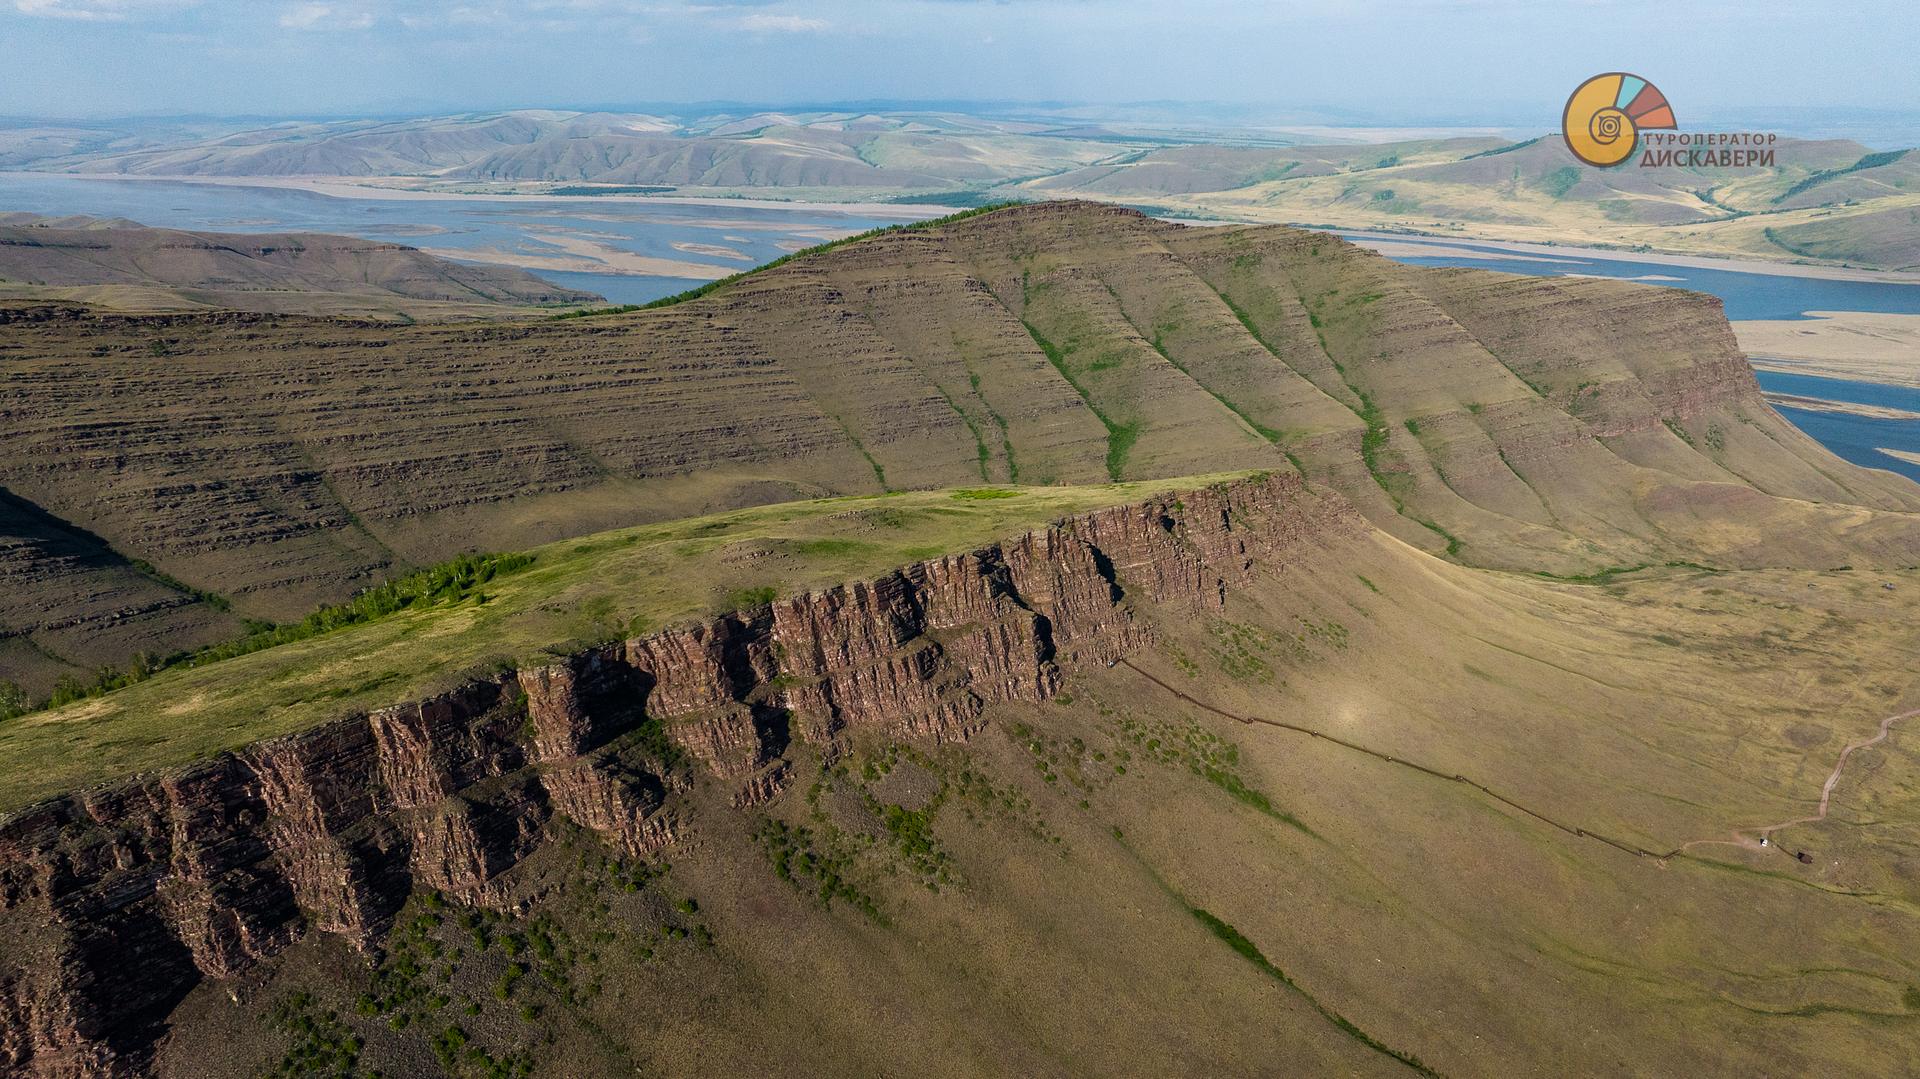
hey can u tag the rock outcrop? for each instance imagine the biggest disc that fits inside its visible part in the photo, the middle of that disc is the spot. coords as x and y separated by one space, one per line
259 455
116 901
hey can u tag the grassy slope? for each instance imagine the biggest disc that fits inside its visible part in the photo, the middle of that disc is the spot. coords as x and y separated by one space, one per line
597 588
1120 882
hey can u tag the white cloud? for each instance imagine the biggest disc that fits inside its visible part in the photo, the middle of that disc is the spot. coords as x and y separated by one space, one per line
762 22
98 10
315 16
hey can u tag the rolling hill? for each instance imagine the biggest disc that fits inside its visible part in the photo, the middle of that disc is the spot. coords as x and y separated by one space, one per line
119 264
1822 200
1833 201
810 150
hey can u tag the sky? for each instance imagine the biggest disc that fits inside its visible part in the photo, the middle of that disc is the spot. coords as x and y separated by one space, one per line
1509 62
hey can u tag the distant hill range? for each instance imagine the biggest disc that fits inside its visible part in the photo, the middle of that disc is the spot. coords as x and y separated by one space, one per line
1525 423
1834 201
784 150
1831 201
120 264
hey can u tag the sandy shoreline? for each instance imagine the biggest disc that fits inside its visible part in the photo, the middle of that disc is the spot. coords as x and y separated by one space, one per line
586 259
1698 262
1822 404
1858 345
337 187
348 189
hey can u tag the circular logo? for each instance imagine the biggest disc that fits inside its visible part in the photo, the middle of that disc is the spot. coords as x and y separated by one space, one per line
1606 114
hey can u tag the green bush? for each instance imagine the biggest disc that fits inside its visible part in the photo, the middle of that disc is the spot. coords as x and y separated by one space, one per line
449 582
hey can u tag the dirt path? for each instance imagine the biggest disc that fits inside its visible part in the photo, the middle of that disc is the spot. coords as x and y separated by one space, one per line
1758 838
1752 839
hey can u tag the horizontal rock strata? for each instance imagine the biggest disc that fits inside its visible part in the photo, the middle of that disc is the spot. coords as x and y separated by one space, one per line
116 901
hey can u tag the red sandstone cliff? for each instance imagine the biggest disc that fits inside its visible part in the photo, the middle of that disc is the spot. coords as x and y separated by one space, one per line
116 901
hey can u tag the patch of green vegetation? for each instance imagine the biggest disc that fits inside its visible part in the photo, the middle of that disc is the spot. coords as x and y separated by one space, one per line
609 189
742 599
1773 237
1507 149
1269 173
1616 209
1608 574
1202 753
1056 759
1120 436
879 474
1560 181
912 832
982 494
1374 439
448 583
802 860
1678 431
13 700
981 452
1371 587
1239 650
1180 659
973 200
1870 161
1454 543
805 253
828 548
1247 950
322 1044
1263 431
152 573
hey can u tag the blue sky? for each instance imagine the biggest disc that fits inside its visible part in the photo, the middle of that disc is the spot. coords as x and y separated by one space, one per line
1470 61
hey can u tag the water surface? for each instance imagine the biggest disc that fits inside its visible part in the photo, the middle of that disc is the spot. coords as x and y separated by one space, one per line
728 238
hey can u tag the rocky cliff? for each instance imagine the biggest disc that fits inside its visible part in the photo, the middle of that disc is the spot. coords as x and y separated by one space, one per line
116 901
1523 423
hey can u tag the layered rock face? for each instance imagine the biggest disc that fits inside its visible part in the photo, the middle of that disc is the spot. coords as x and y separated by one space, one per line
116 901
284 462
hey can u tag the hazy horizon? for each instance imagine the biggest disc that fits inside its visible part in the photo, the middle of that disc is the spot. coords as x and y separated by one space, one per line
1501 63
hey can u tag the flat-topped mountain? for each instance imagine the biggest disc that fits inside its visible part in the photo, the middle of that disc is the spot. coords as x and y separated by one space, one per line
1462 652
276 462
117 263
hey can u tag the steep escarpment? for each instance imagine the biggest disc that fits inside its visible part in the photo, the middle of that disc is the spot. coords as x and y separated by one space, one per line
1537 424
121 898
